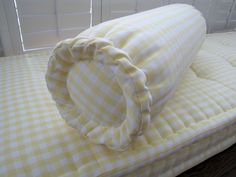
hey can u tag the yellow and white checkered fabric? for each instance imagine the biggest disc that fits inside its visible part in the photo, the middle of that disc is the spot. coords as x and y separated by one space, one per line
108 80
198 122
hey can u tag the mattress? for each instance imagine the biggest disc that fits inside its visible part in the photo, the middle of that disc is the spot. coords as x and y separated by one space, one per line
197 123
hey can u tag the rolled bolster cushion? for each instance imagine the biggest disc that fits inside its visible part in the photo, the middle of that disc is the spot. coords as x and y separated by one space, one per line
111 79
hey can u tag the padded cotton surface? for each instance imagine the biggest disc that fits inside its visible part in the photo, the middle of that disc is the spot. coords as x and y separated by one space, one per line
109 79
198 122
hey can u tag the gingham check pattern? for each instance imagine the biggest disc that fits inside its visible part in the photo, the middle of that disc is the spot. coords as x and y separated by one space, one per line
80 81
107 81
198 122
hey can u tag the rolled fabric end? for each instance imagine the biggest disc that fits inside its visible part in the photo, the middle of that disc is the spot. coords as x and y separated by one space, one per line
120 76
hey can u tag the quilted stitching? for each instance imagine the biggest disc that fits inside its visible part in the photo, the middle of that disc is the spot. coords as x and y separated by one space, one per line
197 123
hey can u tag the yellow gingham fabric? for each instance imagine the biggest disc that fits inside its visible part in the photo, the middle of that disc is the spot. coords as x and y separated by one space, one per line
108 80
198 122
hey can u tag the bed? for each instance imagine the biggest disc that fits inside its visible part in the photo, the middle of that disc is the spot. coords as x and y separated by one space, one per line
36 141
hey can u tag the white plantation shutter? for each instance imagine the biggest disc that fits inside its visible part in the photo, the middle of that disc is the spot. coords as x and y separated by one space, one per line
150 4
44 22
117 8
231 23
182 1
219 14
73 17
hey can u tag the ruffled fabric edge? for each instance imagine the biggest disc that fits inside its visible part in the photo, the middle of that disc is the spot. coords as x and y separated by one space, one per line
131 79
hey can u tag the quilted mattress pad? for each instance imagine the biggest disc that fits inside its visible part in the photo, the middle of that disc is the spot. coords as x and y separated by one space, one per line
198 122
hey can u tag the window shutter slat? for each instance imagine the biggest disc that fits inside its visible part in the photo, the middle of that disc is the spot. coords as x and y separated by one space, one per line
40 39
73 20
45 22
